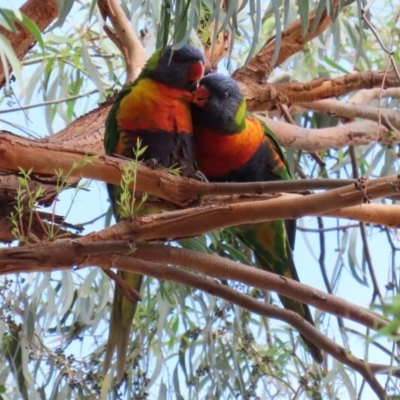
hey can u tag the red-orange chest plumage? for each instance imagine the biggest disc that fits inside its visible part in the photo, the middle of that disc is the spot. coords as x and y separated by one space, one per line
153 107
218 153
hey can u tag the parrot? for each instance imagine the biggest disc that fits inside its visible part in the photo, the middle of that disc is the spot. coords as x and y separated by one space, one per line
232 145
155 109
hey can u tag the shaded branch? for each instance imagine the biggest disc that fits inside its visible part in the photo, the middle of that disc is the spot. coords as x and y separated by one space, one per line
261 308
366 95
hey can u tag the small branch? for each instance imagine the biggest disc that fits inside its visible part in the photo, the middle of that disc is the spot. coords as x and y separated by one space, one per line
127 290
351 111
364 96
331 229
123 37
48 102
216 43
368 259
351 134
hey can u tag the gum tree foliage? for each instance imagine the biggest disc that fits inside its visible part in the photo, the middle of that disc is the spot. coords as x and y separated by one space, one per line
188 344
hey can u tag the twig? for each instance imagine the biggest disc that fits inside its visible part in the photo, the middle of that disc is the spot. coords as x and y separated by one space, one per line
334 228
128 291
367 254
322 266
48 102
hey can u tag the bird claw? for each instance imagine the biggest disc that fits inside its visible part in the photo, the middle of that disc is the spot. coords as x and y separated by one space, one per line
151 163
199 176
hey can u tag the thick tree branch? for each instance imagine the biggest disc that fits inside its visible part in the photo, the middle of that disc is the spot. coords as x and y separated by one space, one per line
179 190
87 132
39 11
261 97
46 158
195 221
380 214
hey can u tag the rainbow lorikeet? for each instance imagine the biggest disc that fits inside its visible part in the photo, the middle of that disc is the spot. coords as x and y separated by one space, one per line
155 108
233 145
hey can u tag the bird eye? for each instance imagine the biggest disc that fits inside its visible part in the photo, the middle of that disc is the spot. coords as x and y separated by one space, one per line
227 94
176 58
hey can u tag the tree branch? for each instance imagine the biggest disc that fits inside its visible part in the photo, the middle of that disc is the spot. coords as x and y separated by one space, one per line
46 158
65 253
366 95
351 134
39 11
123 37
341 109
261 97
293 41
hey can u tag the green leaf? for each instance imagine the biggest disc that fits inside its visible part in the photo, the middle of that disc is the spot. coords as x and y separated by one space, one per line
7 20
304 12
65 7
7 54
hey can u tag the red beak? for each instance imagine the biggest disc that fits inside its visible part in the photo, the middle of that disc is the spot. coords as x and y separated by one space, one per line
196 71
201 96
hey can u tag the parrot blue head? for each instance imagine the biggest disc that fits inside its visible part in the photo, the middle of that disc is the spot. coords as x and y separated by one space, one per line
219 104
181 69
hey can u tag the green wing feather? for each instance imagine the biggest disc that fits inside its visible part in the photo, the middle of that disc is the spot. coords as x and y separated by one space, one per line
272 241
123 310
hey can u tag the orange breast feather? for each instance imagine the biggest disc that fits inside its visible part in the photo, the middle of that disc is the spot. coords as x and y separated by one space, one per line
218 154
152 106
